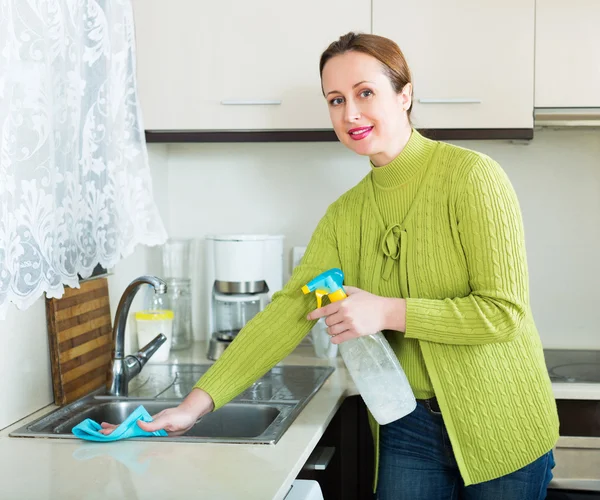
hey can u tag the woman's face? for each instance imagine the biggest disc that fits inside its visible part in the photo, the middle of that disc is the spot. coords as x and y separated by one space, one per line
368 116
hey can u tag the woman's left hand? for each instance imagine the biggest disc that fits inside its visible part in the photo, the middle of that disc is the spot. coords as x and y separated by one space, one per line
361 313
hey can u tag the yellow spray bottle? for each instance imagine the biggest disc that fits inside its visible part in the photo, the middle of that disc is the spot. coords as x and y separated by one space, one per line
371 362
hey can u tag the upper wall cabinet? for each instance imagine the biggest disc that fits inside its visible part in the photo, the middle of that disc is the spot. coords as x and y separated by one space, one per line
567 54
237 65
472 62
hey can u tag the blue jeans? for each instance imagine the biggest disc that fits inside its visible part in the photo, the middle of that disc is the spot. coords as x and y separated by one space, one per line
416 462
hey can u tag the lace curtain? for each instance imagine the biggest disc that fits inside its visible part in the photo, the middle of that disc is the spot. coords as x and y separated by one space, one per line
75 186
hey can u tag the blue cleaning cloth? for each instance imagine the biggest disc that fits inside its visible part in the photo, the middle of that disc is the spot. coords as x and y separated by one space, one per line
89 429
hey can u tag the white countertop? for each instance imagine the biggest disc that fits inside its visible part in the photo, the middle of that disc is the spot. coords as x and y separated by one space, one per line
67 469
576 391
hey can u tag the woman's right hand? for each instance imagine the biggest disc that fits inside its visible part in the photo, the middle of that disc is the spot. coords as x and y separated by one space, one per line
176 421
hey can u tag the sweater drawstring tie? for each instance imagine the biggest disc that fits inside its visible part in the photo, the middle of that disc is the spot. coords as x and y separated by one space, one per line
393 246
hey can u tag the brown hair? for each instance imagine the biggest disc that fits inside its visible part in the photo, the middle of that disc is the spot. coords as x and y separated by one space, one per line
383 49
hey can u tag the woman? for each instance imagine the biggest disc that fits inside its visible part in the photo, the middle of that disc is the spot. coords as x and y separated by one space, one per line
432 243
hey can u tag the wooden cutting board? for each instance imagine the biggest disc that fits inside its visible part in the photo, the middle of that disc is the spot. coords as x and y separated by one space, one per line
80 339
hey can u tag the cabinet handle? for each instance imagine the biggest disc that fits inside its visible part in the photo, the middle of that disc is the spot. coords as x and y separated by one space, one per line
457 100
319 459
566 114
234 102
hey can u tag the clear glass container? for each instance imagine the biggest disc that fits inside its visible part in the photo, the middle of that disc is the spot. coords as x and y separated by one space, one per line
233 311
149 324
176 258
156 317
179 298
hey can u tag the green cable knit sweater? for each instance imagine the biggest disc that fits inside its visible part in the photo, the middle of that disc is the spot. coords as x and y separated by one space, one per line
454 248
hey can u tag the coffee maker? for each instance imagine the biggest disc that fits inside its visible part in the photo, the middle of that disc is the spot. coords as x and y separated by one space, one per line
243 271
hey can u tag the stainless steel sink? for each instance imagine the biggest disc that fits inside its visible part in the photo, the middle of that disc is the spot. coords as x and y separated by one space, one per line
259 415
237 422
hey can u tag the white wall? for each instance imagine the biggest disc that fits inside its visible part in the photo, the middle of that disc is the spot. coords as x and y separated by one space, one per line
25 375
285 188
253 188
25 380
557 179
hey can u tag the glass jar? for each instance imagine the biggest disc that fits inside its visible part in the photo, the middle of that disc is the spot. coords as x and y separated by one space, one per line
151 323
179 293
233 311
176 258
155 317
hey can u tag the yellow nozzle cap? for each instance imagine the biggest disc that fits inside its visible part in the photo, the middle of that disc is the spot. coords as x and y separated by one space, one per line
305 289
339 294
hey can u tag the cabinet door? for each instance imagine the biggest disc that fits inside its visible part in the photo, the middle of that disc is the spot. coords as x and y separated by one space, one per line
567 53
237 65
471 61
351 471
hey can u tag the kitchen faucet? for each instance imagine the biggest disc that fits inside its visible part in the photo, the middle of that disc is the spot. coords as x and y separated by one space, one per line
123 369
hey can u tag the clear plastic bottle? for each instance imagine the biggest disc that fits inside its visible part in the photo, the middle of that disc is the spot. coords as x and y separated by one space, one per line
378 376
371 362
322 341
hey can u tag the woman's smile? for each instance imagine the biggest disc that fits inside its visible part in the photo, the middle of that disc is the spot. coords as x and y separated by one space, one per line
358 134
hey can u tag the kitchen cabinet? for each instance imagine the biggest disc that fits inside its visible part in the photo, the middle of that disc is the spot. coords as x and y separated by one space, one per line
350 472
233 65
577 452
567 54
472 62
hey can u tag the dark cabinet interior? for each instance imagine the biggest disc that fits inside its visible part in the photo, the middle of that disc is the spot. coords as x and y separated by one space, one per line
579 417
350 472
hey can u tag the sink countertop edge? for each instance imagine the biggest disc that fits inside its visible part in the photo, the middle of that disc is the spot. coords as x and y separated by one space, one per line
264 471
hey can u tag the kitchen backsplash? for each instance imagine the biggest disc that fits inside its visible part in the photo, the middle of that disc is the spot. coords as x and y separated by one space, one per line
285 188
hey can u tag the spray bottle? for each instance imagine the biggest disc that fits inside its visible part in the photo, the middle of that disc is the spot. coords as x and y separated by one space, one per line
372 363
